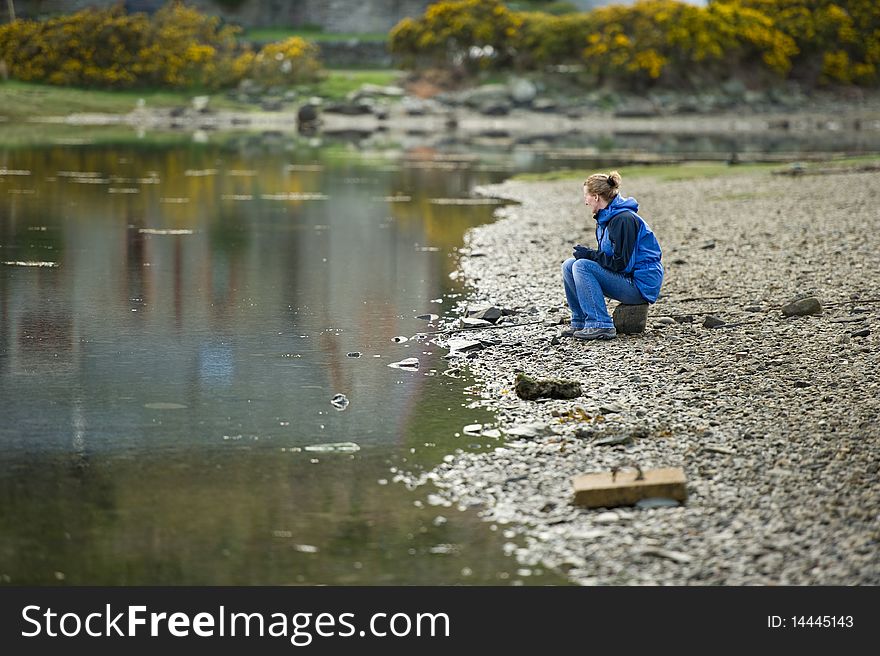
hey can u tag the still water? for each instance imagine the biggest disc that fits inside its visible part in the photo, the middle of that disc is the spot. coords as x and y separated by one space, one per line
174 322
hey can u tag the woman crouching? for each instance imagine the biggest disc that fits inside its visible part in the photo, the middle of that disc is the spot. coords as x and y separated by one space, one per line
625 266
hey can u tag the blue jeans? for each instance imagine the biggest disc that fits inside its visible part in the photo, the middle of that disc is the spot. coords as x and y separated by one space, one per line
586 284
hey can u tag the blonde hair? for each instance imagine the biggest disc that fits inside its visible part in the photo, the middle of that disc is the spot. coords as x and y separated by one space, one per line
604 185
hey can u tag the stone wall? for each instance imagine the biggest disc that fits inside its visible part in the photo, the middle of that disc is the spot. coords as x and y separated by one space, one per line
357 16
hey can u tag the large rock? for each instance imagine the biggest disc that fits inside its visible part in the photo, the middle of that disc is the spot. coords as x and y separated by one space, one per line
637 109
495 108
530 389
357 108
630 319
802 307
483 94
522 91
307 114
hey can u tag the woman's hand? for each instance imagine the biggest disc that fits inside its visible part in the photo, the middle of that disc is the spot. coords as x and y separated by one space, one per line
583 253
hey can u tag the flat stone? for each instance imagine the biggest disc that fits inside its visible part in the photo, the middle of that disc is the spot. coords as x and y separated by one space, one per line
675 556
333 447
657 502
490 314
616 440
802 307
864 332
529 431
407 363
470 322
464 345
711 321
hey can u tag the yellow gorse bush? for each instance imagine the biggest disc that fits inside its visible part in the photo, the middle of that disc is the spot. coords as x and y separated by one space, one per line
175 47
661 41
448 31
291 61
837 40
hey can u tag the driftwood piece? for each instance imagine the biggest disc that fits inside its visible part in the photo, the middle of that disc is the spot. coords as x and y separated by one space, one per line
625 488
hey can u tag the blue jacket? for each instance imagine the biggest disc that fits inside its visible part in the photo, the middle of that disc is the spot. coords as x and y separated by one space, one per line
628 246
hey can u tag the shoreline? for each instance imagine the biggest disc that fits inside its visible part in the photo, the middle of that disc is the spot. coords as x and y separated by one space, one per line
519 123
775 421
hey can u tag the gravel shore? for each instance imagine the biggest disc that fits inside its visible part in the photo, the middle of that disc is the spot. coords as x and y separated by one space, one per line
776 420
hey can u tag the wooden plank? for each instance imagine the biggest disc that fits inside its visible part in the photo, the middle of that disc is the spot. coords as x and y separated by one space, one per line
606 490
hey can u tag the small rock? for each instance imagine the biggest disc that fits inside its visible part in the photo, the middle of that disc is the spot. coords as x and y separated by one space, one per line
801 383
529 431
676 556
657 502
616 440
333 447
802 307
711 321
407 363
752 308
606 518
490 314
610 408
399 339
665 321
353 354
472 429
708 245
864 332
495 109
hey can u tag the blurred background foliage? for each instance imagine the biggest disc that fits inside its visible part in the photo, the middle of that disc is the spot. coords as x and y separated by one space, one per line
655 42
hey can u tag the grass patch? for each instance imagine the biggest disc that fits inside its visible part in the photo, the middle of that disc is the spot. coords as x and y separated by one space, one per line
20 101
691 170
25 135
339 83
669 172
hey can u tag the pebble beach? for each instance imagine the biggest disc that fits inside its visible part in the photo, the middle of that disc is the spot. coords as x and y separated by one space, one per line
774 419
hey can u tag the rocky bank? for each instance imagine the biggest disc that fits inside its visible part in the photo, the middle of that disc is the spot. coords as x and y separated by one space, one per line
775 420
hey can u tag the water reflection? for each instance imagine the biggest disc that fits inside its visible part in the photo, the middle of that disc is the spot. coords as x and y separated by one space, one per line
159 384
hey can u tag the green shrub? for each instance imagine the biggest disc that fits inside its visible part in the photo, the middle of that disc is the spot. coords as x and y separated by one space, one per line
176 47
